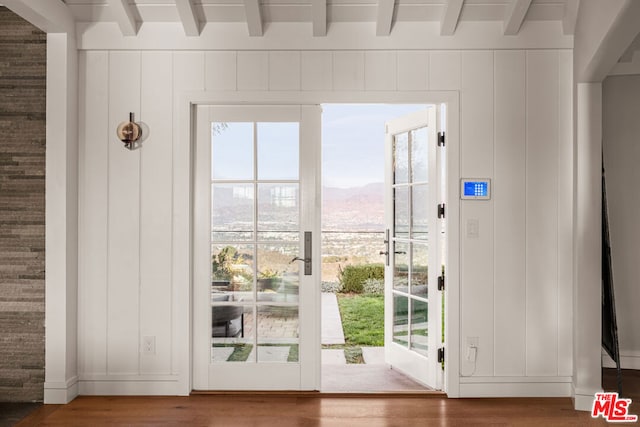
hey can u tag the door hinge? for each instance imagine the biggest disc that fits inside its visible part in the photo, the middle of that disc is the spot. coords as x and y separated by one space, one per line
441 210
441 355
440 139
441 283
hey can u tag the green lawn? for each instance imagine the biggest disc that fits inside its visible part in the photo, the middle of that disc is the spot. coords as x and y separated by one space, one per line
362 319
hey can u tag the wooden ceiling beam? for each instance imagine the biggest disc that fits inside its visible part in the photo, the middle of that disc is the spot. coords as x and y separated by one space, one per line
450 17
254 17
385 17
188 18
319 17
516 11
123 13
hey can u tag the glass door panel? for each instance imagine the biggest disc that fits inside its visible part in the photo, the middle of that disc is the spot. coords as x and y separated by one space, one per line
257 217
232 151
232 212
411 276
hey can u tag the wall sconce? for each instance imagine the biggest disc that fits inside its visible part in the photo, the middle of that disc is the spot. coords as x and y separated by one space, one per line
129 132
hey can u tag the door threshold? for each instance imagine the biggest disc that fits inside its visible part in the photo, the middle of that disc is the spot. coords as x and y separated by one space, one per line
305 393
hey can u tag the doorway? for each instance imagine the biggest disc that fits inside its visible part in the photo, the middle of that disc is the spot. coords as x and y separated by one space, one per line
360 143
303 369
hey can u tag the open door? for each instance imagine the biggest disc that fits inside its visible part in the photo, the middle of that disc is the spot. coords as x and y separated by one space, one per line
413 244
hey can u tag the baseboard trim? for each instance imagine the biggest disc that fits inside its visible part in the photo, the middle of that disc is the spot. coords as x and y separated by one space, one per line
323 394
130 388
559 387
61 393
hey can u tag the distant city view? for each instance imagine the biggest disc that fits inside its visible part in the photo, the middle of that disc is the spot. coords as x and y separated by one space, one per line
352 227
353 183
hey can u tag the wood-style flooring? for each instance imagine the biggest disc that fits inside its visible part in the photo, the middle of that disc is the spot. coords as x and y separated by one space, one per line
312 409
309 410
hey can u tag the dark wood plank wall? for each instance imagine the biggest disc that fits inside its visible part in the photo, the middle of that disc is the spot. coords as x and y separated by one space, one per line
22 201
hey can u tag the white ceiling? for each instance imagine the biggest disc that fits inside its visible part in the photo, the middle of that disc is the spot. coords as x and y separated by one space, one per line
193 14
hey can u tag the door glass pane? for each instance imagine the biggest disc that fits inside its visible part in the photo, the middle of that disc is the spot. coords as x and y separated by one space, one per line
231 212
255 223
401 158
419 155
232 151
232 273
401 267
278 331
278 151
231 332
401 211
419 211
419 269
400 320
419 329
278 212
278 277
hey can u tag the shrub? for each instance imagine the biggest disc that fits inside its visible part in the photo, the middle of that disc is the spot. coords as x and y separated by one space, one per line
332 287
373 286
352 277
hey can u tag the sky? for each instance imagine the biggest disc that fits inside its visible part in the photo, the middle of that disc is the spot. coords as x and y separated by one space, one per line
352 146
353 142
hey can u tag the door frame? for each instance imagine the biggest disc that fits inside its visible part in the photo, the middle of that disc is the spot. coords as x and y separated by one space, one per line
182 258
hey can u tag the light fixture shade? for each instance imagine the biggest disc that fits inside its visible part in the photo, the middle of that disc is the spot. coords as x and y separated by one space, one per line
129 132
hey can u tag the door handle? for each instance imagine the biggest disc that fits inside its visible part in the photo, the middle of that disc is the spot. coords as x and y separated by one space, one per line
386 247
395 252
307 254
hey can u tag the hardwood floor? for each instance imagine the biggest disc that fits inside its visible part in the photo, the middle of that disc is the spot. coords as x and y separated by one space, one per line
630 385
309 410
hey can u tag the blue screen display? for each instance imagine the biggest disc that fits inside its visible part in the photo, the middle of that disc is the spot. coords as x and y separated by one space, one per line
476 189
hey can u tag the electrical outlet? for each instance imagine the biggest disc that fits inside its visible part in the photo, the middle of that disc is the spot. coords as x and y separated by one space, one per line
149 345
472 342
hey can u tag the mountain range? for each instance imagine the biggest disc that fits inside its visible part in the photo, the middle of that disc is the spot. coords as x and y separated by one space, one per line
353 209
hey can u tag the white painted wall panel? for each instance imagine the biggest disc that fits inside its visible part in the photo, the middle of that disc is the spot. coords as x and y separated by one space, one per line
253 70
156 196
476 286
509 201
124 220
348 70
477 114
413 70
316 70
444 70
565 212
542 213
94 140
477 161
221 70
512 133
380 72
284 70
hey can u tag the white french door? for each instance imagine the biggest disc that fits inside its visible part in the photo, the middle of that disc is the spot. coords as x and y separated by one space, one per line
413 247
256 248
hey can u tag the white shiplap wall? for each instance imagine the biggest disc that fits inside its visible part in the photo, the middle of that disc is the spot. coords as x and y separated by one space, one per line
515 128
